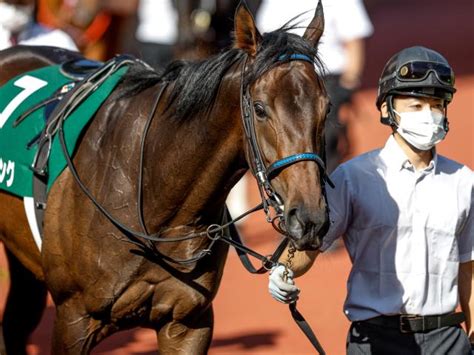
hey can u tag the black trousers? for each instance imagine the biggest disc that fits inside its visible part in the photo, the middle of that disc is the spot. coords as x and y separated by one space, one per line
365 339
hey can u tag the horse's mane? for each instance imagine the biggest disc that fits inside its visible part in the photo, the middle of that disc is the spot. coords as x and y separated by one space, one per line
195 84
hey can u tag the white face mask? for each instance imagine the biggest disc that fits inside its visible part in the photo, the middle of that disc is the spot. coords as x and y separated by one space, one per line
14 18
422 129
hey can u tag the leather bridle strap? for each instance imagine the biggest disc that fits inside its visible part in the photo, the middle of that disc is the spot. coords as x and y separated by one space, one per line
268 261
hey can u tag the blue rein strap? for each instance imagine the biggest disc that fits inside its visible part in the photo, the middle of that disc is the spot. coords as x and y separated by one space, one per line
276 168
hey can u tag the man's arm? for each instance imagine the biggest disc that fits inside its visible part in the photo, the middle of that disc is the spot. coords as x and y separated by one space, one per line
466 295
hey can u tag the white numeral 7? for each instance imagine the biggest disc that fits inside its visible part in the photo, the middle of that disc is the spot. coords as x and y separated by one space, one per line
29 84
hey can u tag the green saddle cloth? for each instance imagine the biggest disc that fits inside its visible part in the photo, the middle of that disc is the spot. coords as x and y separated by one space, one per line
19 95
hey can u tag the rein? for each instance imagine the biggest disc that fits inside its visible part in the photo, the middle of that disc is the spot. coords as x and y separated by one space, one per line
214 232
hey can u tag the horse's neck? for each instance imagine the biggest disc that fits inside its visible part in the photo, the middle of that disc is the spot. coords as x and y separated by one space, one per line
197 166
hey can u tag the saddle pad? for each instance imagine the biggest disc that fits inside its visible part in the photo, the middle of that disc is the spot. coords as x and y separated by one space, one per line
16 97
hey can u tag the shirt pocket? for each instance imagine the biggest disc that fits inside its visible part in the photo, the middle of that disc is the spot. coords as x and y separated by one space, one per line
443 245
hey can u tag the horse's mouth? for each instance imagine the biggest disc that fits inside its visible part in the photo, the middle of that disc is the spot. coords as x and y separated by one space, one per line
310 241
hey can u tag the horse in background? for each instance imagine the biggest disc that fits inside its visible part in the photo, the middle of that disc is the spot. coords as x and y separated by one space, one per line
188 120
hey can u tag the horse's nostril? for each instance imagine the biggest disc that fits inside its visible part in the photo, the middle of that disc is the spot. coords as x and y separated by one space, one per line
293 216
294 224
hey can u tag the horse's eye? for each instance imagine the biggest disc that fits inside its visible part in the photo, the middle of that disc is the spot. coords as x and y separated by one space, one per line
259 110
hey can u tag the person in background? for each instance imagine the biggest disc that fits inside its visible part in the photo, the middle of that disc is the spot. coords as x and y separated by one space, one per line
18 25
157 31
342 50
406 215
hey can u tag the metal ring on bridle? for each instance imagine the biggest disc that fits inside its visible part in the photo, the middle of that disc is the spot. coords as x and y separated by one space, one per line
214 229
278 223
267 263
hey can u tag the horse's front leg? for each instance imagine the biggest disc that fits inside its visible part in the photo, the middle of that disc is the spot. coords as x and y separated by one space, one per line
24 307
75 332
187 336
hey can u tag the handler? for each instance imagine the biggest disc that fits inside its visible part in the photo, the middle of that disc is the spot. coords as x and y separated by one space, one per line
406 217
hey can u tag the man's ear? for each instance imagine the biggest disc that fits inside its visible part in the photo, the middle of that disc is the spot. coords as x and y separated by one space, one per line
315 29
246 34
384 109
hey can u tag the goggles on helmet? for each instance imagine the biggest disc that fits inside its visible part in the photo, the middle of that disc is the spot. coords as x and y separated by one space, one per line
418 71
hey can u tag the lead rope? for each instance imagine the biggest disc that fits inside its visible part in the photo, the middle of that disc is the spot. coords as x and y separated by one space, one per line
297 316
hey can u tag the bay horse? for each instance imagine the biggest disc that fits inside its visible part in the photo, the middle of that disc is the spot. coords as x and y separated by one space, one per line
195 150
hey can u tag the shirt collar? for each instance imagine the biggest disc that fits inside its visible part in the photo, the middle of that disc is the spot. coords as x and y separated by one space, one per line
395 158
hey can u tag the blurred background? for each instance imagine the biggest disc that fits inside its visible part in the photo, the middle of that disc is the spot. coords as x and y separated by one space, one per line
247 320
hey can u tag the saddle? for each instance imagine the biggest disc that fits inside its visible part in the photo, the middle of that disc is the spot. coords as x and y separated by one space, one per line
36 106
87 76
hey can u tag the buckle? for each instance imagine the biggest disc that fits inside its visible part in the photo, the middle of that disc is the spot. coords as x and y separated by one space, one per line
405 325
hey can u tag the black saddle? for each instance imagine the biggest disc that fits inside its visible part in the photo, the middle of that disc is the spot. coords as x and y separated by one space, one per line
78 69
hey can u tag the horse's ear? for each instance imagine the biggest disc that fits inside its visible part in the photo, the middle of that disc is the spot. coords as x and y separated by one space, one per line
316 28
246 34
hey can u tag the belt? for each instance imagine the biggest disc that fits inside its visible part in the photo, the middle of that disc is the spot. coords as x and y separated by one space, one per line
409 323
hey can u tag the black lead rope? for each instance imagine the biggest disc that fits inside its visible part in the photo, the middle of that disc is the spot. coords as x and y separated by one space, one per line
306 329
267 264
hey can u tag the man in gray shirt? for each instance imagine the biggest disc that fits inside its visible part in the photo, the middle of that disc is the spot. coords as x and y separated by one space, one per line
406 216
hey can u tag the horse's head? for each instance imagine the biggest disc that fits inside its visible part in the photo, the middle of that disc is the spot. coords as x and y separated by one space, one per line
284 105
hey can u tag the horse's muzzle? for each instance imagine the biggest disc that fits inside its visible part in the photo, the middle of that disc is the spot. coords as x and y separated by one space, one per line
306 229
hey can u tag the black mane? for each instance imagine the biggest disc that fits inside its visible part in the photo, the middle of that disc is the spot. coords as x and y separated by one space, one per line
195 84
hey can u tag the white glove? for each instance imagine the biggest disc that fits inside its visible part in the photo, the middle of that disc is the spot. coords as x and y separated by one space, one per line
281 290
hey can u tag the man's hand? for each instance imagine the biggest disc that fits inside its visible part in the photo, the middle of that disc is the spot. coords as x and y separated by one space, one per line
282 290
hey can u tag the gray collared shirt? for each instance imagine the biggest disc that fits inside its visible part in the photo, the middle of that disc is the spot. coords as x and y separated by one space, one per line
406 232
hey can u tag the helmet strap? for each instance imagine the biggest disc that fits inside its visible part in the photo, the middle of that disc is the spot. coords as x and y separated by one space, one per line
446 121
390 119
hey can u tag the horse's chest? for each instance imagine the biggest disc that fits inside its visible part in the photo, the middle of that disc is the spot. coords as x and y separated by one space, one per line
171 298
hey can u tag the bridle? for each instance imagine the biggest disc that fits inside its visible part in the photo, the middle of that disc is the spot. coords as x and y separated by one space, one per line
263 174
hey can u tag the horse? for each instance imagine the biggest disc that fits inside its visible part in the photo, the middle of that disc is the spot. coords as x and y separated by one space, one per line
180 138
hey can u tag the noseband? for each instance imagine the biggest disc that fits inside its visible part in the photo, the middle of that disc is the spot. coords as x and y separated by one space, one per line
265 174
